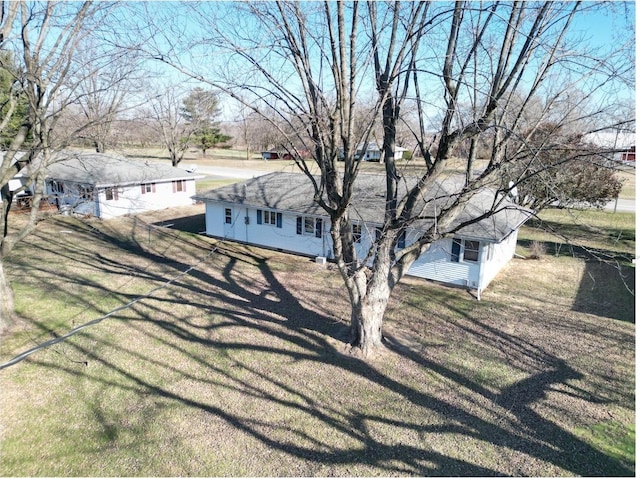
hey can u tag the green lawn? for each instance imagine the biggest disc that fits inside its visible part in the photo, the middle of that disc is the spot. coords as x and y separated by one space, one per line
239 368
592 233
628 178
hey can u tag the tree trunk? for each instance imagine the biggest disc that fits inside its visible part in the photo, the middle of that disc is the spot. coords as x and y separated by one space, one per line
7 313
367 314
366 327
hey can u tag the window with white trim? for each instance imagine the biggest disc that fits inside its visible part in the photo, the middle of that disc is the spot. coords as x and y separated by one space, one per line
471 251
463 250
269 218
57 186
111 193
356 232
227 215
309 226
148 188
180 186
402 238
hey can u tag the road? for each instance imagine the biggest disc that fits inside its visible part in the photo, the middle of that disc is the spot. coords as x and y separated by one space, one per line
218 172
623 205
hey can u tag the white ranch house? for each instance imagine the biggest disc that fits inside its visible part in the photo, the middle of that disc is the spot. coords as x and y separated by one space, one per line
372 152
107 185
277 211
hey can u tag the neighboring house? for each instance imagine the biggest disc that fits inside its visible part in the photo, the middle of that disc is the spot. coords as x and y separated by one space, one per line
107 185
277 211
267 155
21 185
372 152
623 145
21 178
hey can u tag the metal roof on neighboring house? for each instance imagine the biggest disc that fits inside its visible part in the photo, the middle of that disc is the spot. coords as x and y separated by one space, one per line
103 170
293 192
612 139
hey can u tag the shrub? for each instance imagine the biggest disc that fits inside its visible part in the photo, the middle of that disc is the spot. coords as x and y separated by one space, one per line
537 249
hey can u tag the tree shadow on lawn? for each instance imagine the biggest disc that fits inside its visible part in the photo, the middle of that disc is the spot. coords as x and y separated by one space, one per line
274 322
194 224
607 290
607 286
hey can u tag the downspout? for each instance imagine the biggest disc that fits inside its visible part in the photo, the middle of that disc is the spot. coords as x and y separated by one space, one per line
324 241
96 198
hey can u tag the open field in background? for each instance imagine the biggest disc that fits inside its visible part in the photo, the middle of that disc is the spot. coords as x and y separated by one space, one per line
238 367
628 177
241 159
237 159
589 233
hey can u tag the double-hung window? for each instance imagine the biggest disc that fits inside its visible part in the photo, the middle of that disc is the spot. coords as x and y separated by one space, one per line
227 216
269 218
148 188
111 193
470 250
402 238
57 186
180 186
309 226
356 232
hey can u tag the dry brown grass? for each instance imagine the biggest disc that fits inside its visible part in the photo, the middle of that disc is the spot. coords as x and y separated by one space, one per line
238 368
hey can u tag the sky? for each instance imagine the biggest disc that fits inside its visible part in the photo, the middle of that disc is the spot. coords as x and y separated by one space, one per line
603 30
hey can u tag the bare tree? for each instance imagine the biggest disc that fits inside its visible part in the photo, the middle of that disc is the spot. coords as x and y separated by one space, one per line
108 82
43 37
468 71
165 110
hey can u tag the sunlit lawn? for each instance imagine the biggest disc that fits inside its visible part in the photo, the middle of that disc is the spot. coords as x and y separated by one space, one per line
238 367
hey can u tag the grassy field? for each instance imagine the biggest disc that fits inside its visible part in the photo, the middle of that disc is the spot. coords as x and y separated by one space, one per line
590 233
238 366
628 178
242 159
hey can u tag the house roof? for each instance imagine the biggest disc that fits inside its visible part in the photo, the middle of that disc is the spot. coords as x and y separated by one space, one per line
103 170
612 139
293 192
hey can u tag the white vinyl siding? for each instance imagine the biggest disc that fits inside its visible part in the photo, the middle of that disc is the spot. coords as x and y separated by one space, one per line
249 225
497 256
113 201
481 264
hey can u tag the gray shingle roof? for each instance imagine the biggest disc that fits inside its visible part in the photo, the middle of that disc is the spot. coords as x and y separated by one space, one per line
103 170
293 192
